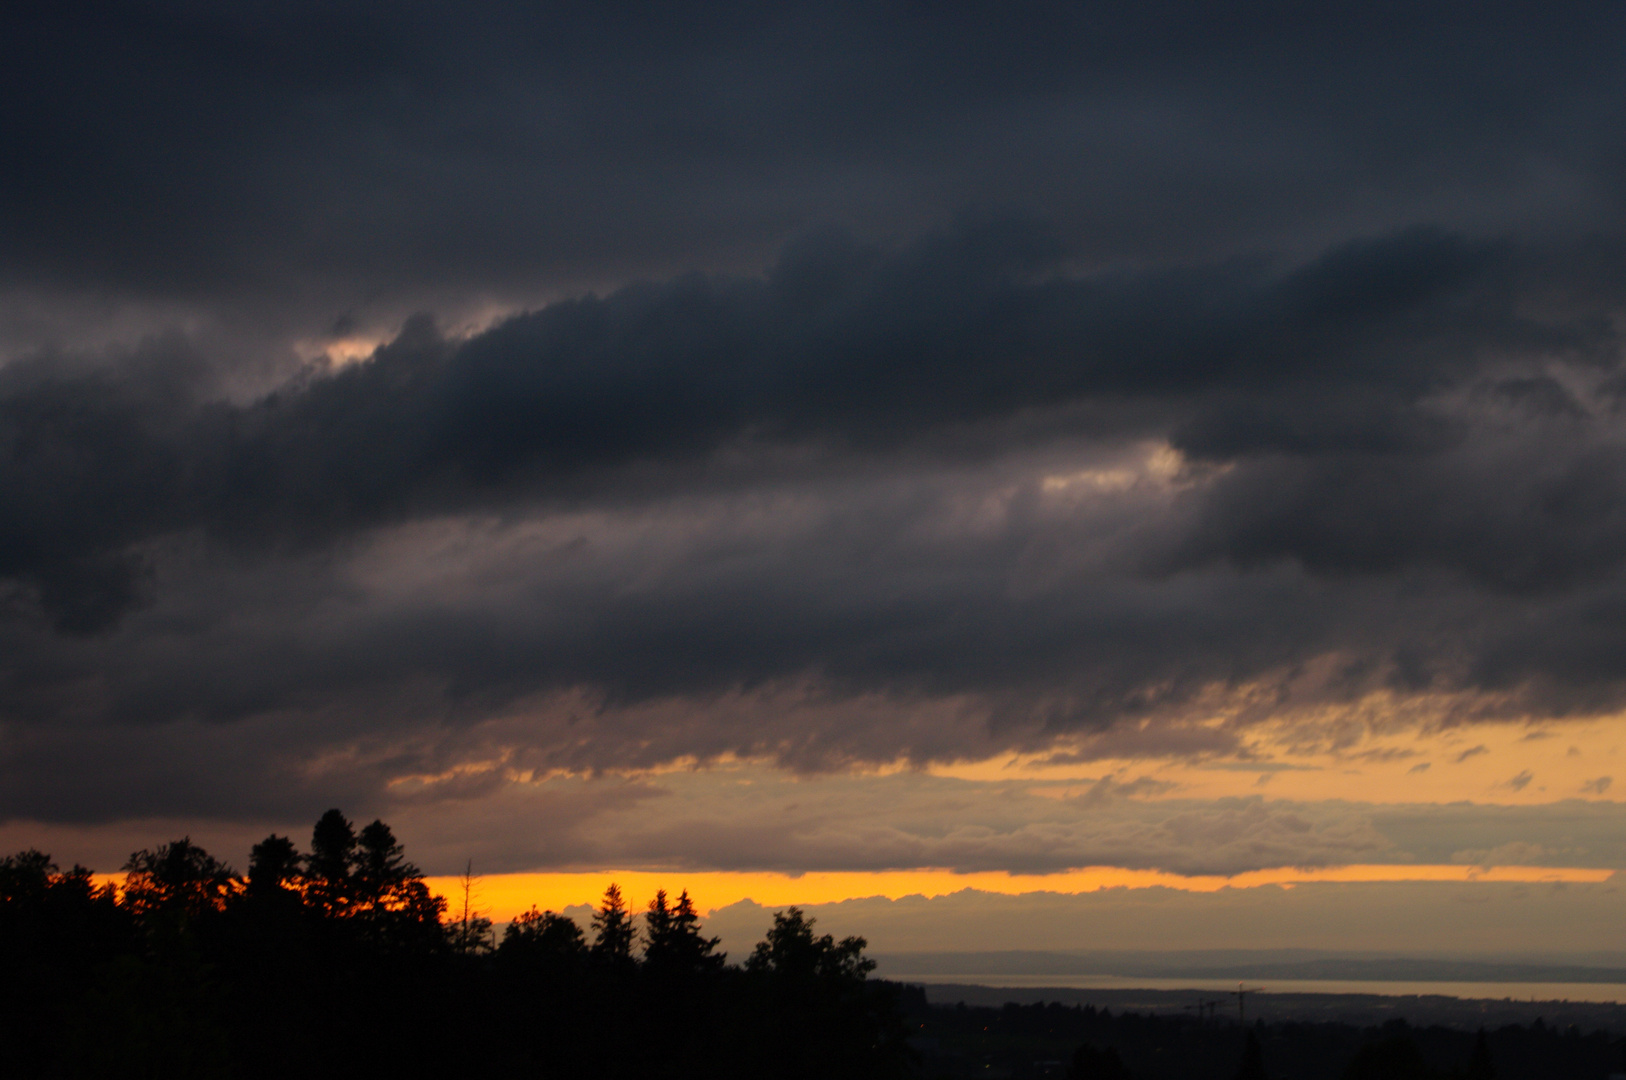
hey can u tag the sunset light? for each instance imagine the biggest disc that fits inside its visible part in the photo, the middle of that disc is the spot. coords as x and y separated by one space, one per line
1054 540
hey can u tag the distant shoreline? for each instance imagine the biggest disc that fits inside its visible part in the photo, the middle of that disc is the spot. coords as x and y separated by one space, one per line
1283 1002
1588 991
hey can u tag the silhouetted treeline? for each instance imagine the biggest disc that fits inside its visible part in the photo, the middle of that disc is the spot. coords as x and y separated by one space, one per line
337 961
1084 1043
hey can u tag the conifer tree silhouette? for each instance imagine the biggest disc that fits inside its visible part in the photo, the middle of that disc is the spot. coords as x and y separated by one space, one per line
273 866
672 940
612 929
329 866
380 869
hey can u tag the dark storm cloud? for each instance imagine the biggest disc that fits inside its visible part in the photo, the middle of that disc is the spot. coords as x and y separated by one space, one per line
839 347
853 376
174 149
1353 274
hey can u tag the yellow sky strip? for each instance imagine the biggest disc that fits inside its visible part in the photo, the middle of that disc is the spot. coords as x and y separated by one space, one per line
502 896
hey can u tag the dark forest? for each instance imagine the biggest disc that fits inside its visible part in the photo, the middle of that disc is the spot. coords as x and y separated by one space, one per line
338 961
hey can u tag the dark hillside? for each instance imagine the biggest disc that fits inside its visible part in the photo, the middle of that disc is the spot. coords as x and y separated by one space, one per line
1037 1040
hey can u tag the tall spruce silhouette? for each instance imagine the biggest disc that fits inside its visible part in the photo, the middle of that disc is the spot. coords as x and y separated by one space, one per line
673 943
613 931
328 868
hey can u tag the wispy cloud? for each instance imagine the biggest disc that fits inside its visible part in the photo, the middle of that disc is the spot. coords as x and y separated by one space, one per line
1519 781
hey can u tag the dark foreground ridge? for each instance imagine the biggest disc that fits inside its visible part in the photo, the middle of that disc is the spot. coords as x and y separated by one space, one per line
339 962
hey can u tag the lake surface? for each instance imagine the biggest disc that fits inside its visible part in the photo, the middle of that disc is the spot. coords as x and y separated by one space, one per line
1499 991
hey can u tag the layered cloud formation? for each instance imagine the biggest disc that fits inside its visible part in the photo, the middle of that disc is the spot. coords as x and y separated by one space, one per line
416 413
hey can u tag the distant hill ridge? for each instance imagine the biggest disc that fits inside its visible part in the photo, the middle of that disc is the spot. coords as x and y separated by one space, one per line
1238 964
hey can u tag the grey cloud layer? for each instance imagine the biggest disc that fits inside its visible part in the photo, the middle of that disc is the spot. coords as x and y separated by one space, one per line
755 819
1105 361
838 346
166 150
745 820
919 493
321 165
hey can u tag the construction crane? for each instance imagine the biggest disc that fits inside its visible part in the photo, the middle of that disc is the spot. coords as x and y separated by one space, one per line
1205 1009
1242 993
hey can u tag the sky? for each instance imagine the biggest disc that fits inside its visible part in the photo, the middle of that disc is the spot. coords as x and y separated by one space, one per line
1083 453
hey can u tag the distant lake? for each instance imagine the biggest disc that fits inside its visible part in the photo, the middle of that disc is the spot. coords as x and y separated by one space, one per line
1518 991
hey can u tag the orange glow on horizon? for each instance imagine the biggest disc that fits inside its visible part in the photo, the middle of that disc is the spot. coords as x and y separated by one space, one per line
503 896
